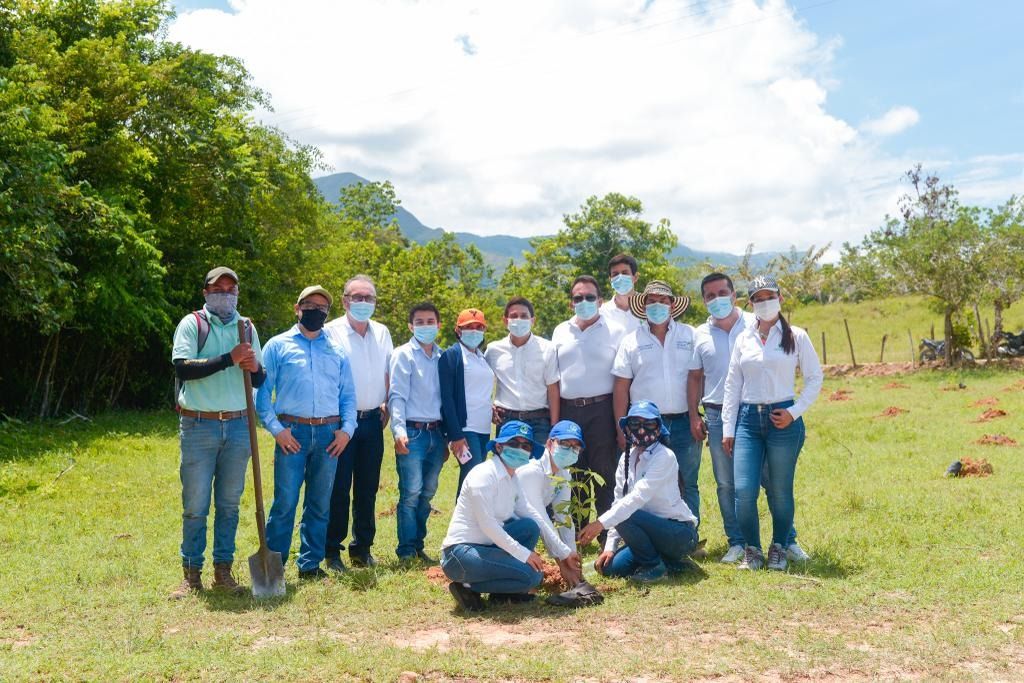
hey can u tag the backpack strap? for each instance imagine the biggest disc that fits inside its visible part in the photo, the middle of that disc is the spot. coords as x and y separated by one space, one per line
202 329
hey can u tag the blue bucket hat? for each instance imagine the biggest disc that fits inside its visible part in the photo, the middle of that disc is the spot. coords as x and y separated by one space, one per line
648 410
567 429
513 429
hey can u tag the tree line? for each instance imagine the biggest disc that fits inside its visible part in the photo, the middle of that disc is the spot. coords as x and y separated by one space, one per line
131 164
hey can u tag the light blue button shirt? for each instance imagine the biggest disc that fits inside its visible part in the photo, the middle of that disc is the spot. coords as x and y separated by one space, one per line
415 387
308 378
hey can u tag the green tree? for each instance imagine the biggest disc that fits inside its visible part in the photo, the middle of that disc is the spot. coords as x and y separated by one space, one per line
1003 256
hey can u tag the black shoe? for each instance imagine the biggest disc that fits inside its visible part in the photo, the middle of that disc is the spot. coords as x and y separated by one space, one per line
309 574
336 565
362 561
467 599
424 558
511 598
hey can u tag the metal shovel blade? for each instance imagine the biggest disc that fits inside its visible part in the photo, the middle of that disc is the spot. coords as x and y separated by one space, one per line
267 574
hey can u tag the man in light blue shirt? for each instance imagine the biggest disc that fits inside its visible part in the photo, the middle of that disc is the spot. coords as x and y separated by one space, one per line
420 450
312 417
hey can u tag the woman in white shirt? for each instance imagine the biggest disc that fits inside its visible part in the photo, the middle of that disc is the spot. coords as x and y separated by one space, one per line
648 515
762 422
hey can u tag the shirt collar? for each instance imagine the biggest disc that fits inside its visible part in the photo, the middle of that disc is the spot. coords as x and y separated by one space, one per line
600 321
296 332
416 348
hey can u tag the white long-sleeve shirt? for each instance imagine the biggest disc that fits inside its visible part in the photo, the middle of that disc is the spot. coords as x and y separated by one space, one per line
653 479
490 497
542 485
764 373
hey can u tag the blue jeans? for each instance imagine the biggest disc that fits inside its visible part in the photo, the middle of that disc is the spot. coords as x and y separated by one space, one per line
688 454
649 541
488 568
418 472
758 441
313 466
478 447
541 429
214 456
359 473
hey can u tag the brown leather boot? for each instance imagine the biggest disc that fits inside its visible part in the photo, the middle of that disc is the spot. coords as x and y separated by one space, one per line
193 583
222 579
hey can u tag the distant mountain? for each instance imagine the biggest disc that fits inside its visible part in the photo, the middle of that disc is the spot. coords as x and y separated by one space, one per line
498 249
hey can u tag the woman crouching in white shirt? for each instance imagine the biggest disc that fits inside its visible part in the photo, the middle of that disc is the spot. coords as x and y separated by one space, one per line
762 422
649 516
490 541
545 484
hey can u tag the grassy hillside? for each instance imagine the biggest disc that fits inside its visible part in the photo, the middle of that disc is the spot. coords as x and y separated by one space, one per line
913 575
870 320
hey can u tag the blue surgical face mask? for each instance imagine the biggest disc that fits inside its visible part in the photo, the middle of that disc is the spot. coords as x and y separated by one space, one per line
472 338
519 327
361 310
514 457
564 457
622 283
585 310
425 334
720 307
657 313
222 305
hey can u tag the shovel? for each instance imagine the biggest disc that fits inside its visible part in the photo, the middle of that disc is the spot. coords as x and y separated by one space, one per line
265 567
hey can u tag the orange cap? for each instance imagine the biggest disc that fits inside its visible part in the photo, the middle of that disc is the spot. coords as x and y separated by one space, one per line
470 315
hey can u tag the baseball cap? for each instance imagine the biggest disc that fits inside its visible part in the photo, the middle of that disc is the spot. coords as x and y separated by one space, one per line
567 429
315 289
470 315
513 429
217 272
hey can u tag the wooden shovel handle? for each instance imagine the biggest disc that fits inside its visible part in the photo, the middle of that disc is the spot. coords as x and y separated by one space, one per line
257 480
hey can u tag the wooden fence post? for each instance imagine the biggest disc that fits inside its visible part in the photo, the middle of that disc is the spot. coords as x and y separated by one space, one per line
881 355
849 339
931 335
824 350
913 355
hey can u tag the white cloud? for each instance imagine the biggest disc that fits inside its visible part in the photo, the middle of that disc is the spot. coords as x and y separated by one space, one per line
896 120
500 117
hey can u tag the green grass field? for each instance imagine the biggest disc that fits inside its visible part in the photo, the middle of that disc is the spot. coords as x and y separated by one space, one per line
871 320
913 576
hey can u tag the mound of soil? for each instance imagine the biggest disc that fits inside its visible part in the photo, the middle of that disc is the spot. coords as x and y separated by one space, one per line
991 414
869 370
1016 386
552 582
996 440
893 411
896 385
975 468
841 395
388 512
436 575
982 402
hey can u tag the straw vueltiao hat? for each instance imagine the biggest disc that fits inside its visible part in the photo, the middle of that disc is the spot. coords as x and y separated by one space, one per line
638 302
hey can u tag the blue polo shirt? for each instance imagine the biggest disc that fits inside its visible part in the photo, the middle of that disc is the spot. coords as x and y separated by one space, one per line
308 378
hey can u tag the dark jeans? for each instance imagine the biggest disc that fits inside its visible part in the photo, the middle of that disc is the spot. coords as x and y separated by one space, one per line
597 421
477 443
650 540
541 428
358 472
488 568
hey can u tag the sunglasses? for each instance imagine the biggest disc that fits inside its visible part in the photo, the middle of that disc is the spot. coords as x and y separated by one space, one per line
580 298
640 423
362 298
520 443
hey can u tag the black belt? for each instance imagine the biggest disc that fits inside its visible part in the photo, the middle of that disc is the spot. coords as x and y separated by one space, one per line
673 416
581 402
363 414
713 406
507 414
423 425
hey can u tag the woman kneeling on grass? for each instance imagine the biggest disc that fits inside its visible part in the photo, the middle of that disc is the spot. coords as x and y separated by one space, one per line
657 528
490 541
762 423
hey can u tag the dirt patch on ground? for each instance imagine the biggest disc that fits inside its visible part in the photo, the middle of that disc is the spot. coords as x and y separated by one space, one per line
387 512
489 633
271 641
841 395
991 414
896 385
893 411
1016 386
996 440
988 401
869 370
436 576
969 467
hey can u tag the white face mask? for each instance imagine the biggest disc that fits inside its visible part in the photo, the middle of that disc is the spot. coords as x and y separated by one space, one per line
767 310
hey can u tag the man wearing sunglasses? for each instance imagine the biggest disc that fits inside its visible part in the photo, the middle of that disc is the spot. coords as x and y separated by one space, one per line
586 345
308 403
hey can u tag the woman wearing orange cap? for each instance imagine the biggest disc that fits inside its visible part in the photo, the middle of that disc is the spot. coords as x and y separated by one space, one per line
467 383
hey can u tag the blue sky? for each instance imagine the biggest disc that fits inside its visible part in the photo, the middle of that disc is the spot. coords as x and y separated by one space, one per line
767 121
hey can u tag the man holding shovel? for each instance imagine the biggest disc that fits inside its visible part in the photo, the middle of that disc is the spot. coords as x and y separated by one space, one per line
312 416
209 357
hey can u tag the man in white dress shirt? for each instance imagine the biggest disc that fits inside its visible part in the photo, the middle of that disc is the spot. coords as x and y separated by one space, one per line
586 345
622 273
368 345
526 369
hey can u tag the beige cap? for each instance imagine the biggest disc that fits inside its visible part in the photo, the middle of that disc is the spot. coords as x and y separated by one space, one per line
219 271
315 289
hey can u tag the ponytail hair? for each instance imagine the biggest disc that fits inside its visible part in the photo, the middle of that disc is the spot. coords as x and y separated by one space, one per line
625 470
788 343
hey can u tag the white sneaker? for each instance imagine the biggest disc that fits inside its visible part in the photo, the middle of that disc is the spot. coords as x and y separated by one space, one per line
752 559
776 558
732 555
795 553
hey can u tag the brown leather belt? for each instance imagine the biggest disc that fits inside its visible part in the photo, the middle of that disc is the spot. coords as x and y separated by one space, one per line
423 425
221 415
330 419
509 414
580 402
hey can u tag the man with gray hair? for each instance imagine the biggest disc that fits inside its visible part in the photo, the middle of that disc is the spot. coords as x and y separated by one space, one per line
368 345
